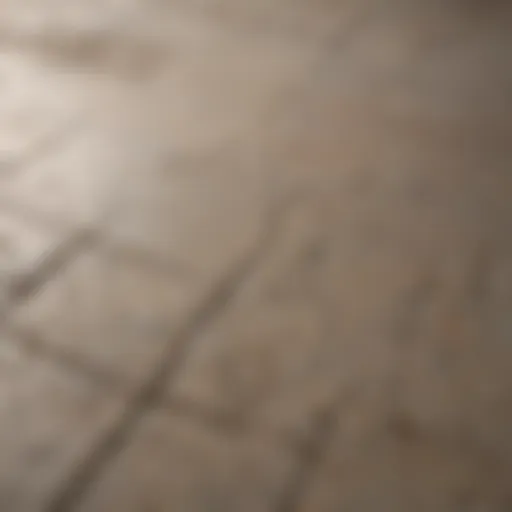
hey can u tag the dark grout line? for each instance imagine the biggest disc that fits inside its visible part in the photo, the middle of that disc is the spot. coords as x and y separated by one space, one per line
313 452
149 394
67 362
313 448
311 457
49 266
316 447
169 265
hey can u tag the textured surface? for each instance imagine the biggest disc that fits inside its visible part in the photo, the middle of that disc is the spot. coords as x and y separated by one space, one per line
255 256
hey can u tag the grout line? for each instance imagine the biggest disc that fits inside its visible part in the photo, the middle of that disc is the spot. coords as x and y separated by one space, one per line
311 459
174 267
67 361
147 397
49 265
314 447
313 453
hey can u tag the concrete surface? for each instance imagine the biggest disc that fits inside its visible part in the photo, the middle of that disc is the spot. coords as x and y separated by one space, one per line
255 256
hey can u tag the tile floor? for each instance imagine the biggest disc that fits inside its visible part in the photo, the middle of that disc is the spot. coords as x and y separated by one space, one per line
255 256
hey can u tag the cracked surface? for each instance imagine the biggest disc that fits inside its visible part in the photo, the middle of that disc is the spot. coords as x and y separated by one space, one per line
255 256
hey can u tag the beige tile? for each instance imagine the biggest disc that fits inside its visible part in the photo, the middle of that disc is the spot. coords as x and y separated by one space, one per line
172 464
50 420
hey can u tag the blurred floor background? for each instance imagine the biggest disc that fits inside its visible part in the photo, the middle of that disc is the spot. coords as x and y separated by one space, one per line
255 256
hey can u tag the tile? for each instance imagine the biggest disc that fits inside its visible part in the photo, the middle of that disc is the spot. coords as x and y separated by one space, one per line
171 464
50 420
383 290
110 312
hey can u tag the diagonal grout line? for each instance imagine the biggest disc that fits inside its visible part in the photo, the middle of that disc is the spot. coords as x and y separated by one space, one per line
49 265
312 449
310 460
313 452
44 270
147 397
67 361
317 447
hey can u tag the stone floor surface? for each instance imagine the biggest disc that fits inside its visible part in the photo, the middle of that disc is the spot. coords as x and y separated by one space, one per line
255 256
